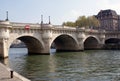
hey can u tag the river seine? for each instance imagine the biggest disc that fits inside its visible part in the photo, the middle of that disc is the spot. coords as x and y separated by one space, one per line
91 65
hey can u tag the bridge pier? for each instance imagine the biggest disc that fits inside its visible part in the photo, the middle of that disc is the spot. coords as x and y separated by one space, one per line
4 37
3 48
81 47
38 51
47 46
37 48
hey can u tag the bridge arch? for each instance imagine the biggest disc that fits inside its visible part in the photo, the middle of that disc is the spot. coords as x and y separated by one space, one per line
112 43
65 42
91 42
112 40
33 44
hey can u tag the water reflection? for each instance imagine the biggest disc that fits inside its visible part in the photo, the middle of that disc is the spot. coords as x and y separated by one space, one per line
92 65
52 63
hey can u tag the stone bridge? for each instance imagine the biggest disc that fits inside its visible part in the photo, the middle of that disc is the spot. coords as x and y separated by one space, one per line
39 37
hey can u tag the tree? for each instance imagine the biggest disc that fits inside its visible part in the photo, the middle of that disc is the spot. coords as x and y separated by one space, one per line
84 21
72 24
81 21
93 22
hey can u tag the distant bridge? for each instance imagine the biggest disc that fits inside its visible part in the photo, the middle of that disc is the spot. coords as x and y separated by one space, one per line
39 37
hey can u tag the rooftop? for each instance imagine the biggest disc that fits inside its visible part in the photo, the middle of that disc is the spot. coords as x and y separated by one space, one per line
107 13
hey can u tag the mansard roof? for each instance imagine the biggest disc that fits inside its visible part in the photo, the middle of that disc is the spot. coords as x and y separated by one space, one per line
108 12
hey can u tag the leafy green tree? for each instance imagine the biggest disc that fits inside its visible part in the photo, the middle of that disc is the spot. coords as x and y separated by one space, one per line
72 24
81 21
93 21
84 21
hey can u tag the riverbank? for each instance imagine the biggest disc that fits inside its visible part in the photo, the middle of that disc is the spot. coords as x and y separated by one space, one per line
5 74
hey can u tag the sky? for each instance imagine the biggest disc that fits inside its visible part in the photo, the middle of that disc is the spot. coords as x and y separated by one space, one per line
30 11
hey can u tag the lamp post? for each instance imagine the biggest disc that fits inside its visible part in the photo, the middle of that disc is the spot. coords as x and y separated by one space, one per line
49 20
7 16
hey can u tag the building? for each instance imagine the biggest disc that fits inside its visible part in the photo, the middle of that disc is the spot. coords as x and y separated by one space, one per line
109 20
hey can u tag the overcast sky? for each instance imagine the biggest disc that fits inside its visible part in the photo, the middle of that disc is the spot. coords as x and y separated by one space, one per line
59 10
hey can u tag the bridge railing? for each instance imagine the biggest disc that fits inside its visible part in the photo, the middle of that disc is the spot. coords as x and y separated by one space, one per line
113 32
14 24
81 29
64 27
55 27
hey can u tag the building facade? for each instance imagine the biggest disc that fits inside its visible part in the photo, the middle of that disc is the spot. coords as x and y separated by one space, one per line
109 20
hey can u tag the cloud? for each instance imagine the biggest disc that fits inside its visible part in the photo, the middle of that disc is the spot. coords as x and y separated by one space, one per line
71 15
92 8
114 6
110 4
74 13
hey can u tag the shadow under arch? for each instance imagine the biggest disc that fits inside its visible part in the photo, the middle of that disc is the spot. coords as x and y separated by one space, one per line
91 43
33 45
65 43
112 43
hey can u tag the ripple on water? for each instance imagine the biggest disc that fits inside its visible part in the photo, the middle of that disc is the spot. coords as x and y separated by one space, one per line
100 65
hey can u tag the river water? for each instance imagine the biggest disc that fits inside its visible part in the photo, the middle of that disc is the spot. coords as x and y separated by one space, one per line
91 65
